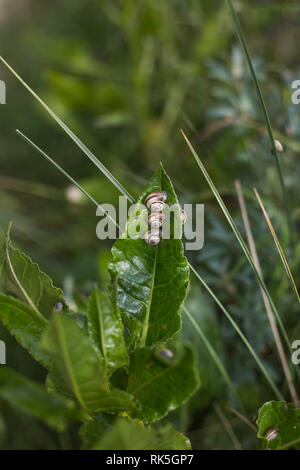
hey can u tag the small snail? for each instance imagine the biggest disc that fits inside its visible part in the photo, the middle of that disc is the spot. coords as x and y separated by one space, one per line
156 201
166 353
278 146
152 237
58 307
183 216
271 434
155 220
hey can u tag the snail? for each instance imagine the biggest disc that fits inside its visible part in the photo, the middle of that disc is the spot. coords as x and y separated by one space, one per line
156 201
152 237
271 434
155 220
58 307
166 353
183 216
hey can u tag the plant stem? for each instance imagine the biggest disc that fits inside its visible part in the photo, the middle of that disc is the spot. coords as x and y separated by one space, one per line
265 114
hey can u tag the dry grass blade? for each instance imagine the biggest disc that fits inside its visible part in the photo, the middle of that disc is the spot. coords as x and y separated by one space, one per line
268 308
237 234
278 246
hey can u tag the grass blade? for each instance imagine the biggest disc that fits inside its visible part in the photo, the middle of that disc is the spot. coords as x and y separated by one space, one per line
71 134
278 245
264 110
41 152
214 355
241 335
238 236
270 315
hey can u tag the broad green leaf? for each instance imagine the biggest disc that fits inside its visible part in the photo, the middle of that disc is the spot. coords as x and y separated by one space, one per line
126 435
77 370
283 419
159 386
152 280
22 278
33 399
106 330
26 325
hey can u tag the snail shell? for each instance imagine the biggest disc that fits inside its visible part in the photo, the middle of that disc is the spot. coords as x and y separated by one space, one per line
152 237
183 216
166 353
155 220
58 307
271 434
155 198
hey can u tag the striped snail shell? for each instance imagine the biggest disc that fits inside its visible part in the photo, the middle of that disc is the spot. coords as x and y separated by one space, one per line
156 201
155 220
271 434
152 237
183 216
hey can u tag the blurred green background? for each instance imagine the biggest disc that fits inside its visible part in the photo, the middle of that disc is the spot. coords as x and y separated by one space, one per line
126 76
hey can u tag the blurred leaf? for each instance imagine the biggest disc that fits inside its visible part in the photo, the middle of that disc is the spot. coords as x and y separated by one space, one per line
152 280
126 435
91 431
161 387
25 325
33 399
278 424
106 330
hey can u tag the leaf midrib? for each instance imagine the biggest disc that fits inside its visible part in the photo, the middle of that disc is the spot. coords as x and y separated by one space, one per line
149 303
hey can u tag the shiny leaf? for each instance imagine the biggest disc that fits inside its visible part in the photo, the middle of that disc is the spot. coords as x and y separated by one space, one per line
278 424
161 386
152 280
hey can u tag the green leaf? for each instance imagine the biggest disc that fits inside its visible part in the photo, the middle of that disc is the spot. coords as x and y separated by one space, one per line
33 399
26 325
22 278
281 417
152 280
77 370
92 430
106 330
126 435
161 386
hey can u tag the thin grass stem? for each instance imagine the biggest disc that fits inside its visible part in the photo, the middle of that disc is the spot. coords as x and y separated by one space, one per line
265 113
268 308
237 234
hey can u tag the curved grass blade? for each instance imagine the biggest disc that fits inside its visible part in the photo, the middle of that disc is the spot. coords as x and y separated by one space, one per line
264 110
241 335
38 149
214 356
238 236
278 245
71 134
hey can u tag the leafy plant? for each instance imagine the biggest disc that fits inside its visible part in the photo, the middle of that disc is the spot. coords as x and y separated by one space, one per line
91 367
